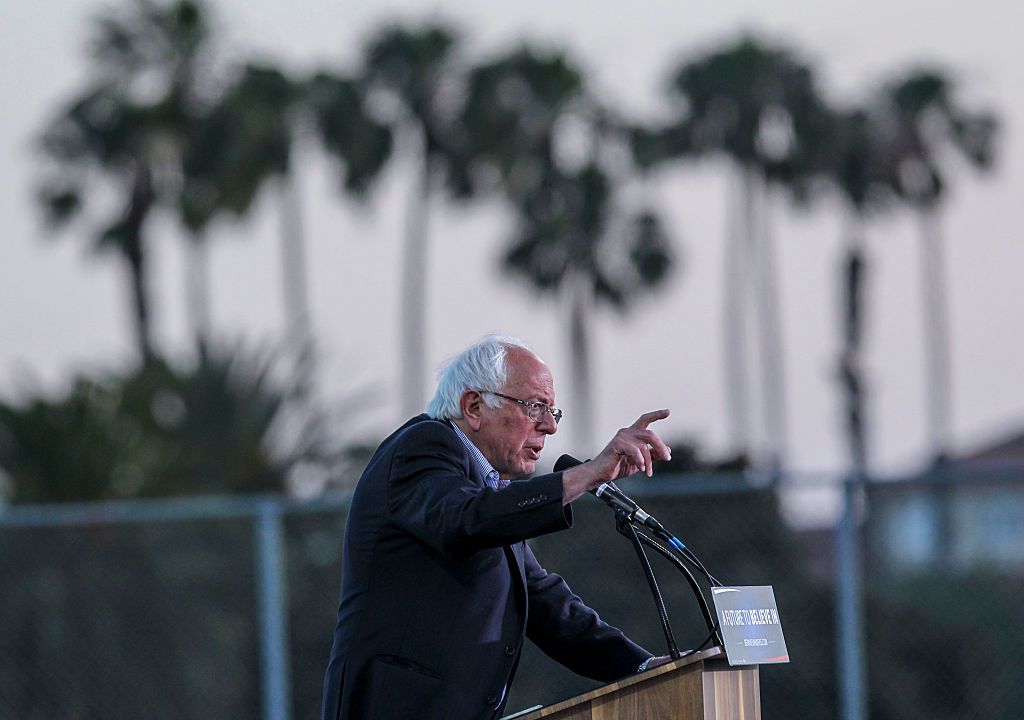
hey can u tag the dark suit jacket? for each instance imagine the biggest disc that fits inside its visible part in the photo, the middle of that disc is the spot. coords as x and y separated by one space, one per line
439 588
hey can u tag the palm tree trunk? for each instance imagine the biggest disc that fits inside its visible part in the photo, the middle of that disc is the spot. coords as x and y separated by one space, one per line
133 249
936 332
735 273
580 300
140 306
413 288
851 360
773 374
295 285
197 289
937 369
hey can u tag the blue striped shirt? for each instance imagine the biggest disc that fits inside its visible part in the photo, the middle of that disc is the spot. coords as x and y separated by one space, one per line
485 471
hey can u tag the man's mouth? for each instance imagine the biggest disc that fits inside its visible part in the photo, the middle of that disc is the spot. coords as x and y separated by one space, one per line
534 451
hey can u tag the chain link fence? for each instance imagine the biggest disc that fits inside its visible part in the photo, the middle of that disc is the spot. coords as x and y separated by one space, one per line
224 608
944 567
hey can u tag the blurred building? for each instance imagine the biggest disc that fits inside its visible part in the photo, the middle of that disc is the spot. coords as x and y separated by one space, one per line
965 515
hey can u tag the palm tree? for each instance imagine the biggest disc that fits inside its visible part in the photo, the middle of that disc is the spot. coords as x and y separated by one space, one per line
161 430
411 77
929 123
361 145
758 105
574 237
102 133
572 241
246 143
127 129
860 162
243 143
167 46
861 166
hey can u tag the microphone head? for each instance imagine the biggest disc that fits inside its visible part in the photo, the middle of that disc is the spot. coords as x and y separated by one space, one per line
613 490
565 462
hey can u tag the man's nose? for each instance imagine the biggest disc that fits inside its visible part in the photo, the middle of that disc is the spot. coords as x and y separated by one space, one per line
547 423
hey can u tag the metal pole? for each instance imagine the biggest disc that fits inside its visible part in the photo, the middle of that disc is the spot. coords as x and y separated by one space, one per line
270 569
849 608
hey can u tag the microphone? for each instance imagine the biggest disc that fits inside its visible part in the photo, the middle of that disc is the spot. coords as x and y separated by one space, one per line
612 496
565 462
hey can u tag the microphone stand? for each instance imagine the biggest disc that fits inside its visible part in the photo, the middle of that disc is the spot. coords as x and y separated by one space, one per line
705 609
624 526
625 520
628 514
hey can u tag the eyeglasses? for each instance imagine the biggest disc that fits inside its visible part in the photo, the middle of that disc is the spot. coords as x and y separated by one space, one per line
534 410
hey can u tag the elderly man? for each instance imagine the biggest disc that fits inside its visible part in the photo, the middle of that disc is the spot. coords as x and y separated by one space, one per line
439 587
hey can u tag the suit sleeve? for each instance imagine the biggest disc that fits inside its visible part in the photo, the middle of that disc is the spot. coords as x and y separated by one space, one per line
432 497
571 633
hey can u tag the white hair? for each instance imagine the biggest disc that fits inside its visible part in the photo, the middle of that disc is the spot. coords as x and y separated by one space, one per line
481 366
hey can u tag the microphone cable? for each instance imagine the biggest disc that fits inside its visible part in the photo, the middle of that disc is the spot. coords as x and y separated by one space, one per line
689 555
710 620
625 527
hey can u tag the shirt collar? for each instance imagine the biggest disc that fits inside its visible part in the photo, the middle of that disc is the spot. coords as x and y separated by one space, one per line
485 471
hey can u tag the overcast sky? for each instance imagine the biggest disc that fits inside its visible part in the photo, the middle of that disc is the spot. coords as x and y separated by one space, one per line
63 311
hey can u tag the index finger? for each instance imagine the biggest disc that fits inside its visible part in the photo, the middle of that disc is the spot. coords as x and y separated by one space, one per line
659 450
647 418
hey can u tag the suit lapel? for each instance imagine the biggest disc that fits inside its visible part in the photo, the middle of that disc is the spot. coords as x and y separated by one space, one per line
517 565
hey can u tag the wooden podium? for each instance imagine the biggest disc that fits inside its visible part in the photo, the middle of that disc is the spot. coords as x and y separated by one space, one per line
700 687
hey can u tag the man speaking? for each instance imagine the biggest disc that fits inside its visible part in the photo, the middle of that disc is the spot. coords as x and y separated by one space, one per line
439 587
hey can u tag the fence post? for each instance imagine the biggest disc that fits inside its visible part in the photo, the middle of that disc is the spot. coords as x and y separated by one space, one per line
849 604
273 626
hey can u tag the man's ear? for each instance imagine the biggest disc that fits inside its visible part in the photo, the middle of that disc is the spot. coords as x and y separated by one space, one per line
471 404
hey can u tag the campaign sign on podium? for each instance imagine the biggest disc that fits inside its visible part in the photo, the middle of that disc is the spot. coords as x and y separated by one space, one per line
751 629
